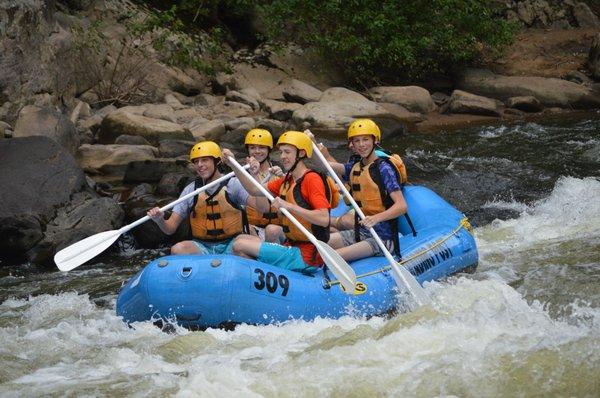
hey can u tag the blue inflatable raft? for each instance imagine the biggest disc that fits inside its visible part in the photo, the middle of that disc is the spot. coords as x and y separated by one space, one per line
223 290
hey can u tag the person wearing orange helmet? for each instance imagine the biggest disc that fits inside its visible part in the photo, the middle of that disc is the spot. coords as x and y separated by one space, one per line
259 143
216 215
375 184
304 193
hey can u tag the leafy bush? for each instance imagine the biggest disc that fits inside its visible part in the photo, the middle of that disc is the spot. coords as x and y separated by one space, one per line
368 40
389 40
118 74
178 43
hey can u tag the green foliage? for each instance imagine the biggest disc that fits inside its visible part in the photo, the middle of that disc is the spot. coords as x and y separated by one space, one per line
116 74
180 45
389 40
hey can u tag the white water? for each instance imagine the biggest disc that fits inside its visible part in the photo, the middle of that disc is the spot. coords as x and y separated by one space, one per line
481 337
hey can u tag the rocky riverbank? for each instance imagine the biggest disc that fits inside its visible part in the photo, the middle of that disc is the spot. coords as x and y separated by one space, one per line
63 150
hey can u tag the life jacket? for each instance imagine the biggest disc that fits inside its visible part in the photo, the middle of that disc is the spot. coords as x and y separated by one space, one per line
262 219
215 217
368 190
293 233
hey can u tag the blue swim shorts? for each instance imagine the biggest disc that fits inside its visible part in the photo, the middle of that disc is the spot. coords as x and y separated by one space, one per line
222 247
286 257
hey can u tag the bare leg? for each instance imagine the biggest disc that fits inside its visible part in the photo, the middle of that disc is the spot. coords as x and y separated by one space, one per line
274 233
185 247
335 240
246 246
355 251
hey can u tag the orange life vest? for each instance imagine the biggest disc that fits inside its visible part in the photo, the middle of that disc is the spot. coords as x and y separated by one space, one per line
262 219
369 192
292 233
215 217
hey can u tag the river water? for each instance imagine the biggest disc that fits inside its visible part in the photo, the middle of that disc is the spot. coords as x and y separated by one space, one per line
526 324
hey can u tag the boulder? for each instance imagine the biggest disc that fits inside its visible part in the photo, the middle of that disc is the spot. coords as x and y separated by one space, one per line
241 123
174 148
279 110
126 139
228 109
152 170
160 111
297 91
223 82
593 61
337 108
171 184
39 177
153 130
112 159
471 104
584 16
401 113
203 129
48 122
91 123
242 98
341 94
3 127
275 127
550 92
184 116
525 104
82 109
84 216
173 102
168 78
413 98
578 77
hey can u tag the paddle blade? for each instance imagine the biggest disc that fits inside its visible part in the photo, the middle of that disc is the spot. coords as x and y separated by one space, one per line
78 253
404 278
340 268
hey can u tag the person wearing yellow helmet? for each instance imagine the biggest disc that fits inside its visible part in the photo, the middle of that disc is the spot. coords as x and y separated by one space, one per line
216 215
376 186
259 143
303 192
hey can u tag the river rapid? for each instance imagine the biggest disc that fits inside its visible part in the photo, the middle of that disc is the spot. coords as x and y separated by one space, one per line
525 324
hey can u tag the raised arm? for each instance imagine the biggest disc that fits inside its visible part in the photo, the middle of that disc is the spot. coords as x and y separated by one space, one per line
245 181
335 165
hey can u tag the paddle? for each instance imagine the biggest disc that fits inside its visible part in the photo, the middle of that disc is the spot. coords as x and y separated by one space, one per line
334 261
401 275
78 253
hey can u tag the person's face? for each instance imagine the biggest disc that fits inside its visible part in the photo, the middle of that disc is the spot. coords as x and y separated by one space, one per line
288 155
258 152
205 166
363 144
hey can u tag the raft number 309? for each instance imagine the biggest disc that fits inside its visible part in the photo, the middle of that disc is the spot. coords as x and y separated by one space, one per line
271 281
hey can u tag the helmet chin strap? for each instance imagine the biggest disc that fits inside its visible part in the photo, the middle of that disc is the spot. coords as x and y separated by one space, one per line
291 170
215 163
375 145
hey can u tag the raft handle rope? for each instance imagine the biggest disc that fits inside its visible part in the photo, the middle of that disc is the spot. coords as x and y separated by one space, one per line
464 223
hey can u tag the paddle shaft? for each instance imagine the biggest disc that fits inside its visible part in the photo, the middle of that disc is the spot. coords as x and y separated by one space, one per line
269 196
142 220
417 292
338 266
181 199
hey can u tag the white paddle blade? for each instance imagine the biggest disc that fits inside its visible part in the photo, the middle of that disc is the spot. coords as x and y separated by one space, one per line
340 268
78 253
404 278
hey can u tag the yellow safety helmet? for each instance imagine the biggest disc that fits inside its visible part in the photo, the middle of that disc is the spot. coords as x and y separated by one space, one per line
364 127
205 148
259 137
297 139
